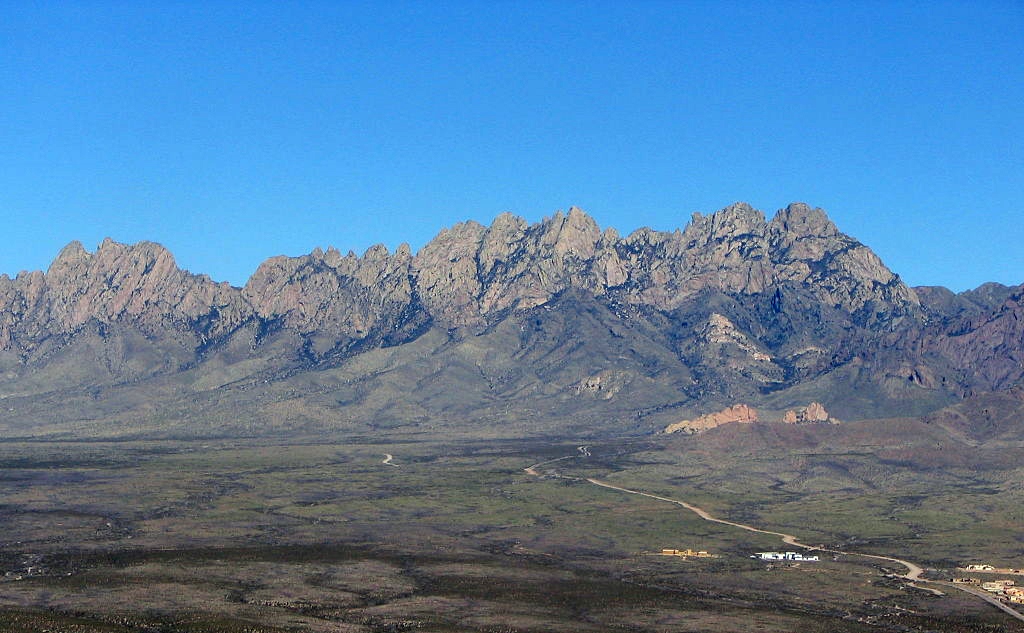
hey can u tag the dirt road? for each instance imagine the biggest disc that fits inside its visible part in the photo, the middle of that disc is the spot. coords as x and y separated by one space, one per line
913 574
913 571
532 470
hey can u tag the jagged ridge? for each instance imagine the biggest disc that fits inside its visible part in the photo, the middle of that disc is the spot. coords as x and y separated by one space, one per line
464 275
743 306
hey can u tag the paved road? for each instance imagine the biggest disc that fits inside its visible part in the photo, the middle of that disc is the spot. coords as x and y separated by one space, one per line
913 574
984 595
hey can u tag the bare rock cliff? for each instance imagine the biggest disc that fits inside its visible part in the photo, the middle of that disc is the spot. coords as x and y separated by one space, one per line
469 271
340 299
139 283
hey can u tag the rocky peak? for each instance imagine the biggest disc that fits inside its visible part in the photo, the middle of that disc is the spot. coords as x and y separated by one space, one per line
447 272
469 271
577 215
799 219
734 221
332 257
71 256
499 242
134 283
340 297
989 295
121 279
578 235
507 223
376 253
806 248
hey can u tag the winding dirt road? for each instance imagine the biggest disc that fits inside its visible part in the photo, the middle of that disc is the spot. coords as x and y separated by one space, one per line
913 574
913 571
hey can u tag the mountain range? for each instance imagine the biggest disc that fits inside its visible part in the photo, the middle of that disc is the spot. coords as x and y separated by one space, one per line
509 329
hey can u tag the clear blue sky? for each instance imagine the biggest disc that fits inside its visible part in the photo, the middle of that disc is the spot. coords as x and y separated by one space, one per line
231 132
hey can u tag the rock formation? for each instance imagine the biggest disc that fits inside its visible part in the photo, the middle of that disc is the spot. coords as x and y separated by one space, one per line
812 413
736 413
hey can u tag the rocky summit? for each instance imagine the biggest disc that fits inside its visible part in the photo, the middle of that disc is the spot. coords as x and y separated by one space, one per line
512 329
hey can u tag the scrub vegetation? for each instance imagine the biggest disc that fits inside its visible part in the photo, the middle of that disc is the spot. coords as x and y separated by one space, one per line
260 535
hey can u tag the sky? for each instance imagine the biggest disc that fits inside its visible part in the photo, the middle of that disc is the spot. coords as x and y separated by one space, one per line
232 132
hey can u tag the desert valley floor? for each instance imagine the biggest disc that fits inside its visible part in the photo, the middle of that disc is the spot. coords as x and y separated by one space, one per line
418 534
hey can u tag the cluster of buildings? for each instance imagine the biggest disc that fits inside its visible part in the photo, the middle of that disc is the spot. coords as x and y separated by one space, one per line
785 556
1005 588
979 567
990 568
770 556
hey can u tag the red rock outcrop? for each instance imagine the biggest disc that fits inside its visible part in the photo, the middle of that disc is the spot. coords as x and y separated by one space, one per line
736 413
812 413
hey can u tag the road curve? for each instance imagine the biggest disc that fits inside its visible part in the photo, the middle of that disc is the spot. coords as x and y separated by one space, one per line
913 571
913 574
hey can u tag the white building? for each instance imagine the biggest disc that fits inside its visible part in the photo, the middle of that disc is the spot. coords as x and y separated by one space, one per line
792 556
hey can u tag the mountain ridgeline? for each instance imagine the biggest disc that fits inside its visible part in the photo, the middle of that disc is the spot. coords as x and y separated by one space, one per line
555 327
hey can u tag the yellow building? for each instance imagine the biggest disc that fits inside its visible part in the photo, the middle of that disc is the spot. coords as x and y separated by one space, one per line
686 553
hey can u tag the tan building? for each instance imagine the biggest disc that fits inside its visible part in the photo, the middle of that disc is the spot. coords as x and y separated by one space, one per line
685 553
